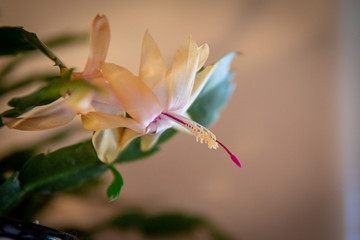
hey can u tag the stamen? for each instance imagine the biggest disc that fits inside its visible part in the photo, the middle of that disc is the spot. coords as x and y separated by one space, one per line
202 134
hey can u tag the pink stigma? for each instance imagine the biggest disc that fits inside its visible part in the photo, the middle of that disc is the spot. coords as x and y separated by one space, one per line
232 156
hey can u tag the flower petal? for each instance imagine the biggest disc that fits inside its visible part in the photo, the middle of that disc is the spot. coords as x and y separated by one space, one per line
203 55
109 143
137 99
51 116
149 141
99 43
182 74
152 65
199 83
106 144
126 137
95 121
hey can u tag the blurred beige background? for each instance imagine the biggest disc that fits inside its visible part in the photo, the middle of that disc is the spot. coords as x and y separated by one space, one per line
281 120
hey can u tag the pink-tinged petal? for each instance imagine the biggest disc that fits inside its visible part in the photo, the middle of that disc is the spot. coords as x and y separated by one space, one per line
137 99
52 116
106 144
152 65
199 83
95 121
99 43
149 140
203 55
182 75
161 91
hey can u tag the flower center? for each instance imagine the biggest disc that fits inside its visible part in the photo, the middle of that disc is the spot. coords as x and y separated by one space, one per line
202 134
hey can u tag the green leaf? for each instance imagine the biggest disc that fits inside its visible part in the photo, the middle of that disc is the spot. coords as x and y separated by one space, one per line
216 93
113 191
58 41
63 169
10 193
14 40
167 224
6 88
14 161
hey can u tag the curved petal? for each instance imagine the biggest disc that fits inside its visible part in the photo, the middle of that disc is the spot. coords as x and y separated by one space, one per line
181 76
137 99
149 141
109 143
106 144
48 117
199 83
99 43
95 121
152 65
126 137
203 55
80 101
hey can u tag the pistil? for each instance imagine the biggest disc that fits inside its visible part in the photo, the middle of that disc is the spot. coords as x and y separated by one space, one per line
202 134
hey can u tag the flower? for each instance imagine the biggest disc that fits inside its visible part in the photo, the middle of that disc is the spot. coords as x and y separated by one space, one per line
155 100
79 100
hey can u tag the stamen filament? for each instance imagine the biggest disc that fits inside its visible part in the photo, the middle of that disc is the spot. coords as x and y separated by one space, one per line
203 134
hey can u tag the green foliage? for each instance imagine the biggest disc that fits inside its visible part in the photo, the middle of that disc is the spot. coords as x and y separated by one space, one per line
11 193
163 225
16 40
216 93
63 169
113 191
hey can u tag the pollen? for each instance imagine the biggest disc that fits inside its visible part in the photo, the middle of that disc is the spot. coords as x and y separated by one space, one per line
202 135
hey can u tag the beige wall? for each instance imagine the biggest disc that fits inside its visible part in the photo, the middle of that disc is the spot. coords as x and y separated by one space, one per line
280 122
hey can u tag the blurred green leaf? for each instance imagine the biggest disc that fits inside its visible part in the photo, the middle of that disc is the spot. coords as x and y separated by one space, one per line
11 193
167 224
63 169
45 77
66 39
216 93
113 191
14 40
58 41
14 161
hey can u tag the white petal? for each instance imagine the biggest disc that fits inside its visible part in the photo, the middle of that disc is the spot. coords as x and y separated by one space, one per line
42 118
199 83
106 144
149 141
182 75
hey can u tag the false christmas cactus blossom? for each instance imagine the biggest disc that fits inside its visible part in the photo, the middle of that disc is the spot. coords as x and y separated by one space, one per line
155 100
76 101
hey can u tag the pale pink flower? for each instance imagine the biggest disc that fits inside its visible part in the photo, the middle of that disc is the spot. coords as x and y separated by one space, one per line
156 100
